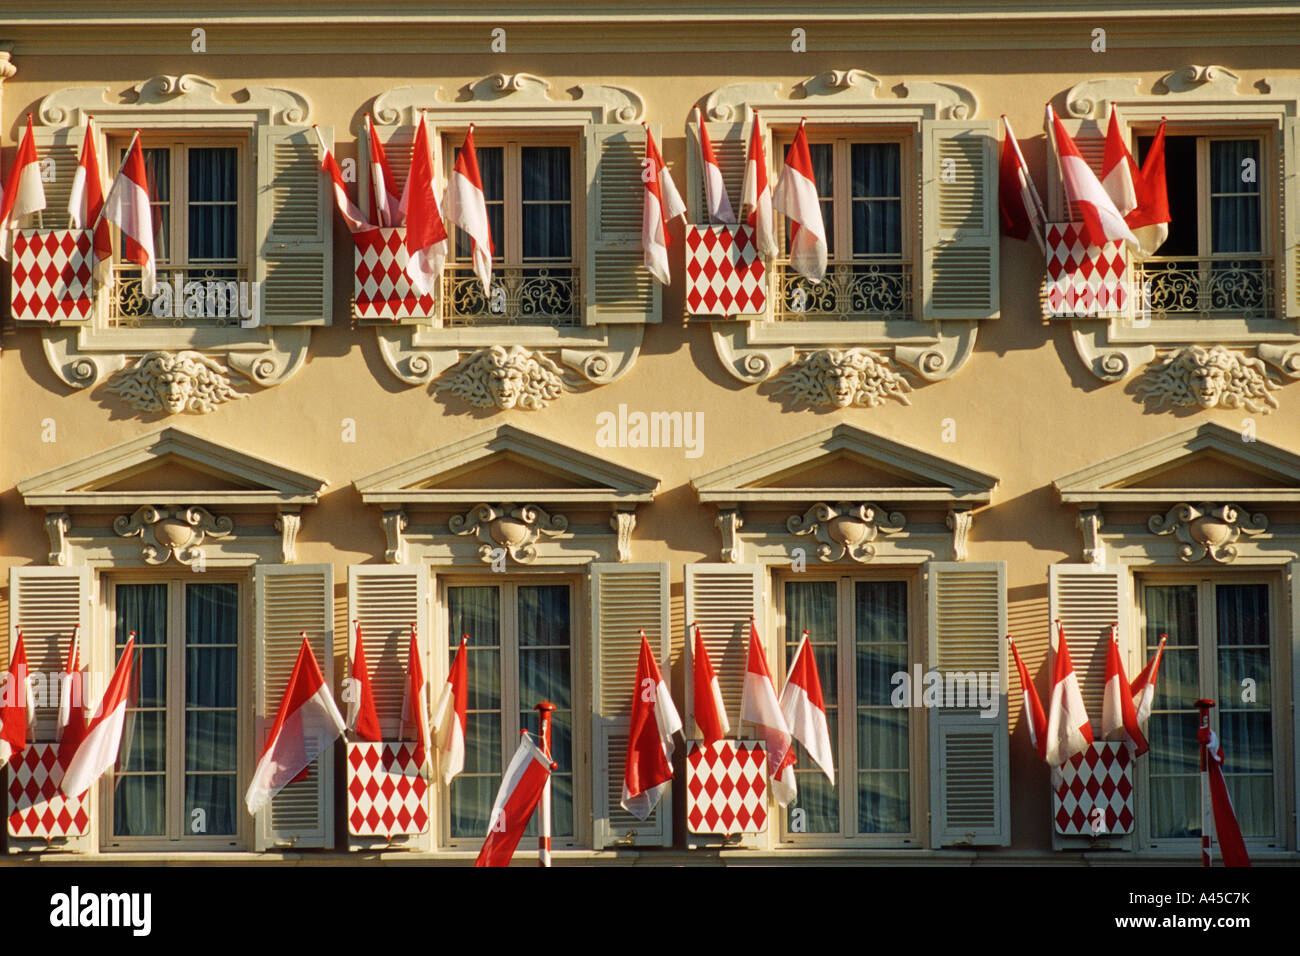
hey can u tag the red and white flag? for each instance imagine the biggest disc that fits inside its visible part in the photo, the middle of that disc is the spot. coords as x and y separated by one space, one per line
128 207
24 193
98 749
710 711
17 705
466 206
1102 222
1232 848
756 194
86 200
759 706
715 190
415 706
1150 220
1033 705
1068 729
796 198
385 199
363 719
353 217
449 717
804 708
1022 211
1143 688
1119 174
648 767
306 724
72 702
660 204
1119 720
521 790
426 232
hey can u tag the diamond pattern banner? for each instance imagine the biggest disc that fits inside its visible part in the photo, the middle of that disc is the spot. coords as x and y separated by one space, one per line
36 807
1100 777
51 275
382 289
726 787
724 272
388 795
1083 281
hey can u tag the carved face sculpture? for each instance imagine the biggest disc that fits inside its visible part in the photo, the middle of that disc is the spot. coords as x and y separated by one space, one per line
1208 377
843 381
172 382
507 382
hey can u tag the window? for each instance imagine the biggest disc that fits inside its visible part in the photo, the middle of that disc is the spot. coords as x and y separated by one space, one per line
859 629
529 188
1221 634
520 653
1216 261
178 771
860 183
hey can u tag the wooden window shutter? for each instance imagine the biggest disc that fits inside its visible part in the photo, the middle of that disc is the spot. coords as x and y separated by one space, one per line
730 146
721 598
295 226
1088 600
970 775
289 599
387 599
624 599
1090 137
1289 203
62 146
397 148
959 235
617 287
47 603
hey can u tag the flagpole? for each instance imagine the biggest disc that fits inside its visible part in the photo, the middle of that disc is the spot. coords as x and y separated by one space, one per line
544 711
113 184
1207 816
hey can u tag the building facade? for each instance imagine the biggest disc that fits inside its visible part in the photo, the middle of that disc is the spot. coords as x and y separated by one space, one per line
955 436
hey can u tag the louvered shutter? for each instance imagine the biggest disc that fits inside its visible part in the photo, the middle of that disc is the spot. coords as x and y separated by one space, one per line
1088 600
387 599
289 599
1090 137
959 232
617 287
624 599
295 226
730 147
721 598
397 147
970 776
47 603
62 146
1289 287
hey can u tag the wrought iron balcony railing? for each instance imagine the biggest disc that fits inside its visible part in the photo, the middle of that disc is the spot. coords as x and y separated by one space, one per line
853 289
210 297
536 294
1238 287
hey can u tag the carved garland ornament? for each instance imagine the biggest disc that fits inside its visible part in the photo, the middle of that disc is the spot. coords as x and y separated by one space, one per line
178 532
1207 529
846 529
842 378
506 378
174 382
514 530
1212 377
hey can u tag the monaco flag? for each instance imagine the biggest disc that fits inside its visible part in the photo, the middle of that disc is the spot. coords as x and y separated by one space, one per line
1118 716
796 198
24 193
363 719
426 232
1102 222
17 706
1119 174
1022 212
467 208
660 203
710 711
804 708
1143 688
87 199
385 202
449 717
1068 729
1033 705
415 707
756 195
98 749
128 207
72 713
648 767
352 216
759 706
306 724
715 190
521 790
1150 220
1232 848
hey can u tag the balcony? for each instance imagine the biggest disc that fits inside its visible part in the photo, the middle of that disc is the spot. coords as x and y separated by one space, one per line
1181 287
540 294
215 303
852 289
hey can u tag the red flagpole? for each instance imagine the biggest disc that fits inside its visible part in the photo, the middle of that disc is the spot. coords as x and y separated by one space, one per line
544 711
1207 816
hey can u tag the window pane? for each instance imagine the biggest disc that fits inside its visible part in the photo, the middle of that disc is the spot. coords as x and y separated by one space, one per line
546 173
1234 198
215 795
210 740
140 788
880 639
1171 730
811 606
476 612
547 213
1246 720
884 803
213 203
1180 183
823 162
157 168
877 202
491 166
139 807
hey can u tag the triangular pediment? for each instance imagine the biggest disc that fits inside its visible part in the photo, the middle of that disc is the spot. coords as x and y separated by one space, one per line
848 462
505 463
169 465
1208 461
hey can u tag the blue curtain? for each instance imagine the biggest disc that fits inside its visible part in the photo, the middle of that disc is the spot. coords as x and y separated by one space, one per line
877 199
548 208
812 605
476 611
211 705
214 204
140 789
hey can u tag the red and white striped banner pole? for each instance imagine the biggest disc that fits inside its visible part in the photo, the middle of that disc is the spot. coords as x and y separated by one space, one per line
544 711
1207 807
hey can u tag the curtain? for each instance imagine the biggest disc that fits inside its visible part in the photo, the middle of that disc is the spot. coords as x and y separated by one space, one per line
811 605
548 209
214 204
1234 198
1245 725
1171 730
544 674
140 789
874 170
211 702
475 611
883 761
157 169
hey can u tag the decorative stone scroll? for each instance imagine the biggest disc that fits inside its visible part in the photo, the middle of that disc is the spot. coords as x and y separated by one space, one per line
177 532
1207 530
846 529
514 530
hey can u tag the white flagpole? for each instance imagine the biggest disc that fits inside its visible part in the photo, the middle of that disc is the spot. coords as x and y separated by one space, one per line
544 711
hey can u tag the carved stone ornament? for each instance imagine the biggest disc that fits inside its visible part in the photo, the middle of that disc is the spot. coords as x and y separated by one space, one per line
1090 525
174 382
514 530
729 522
288 523
959 523
506 378
177 532
846 529
623 522
842 378
1207 529
1213 377
57 526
